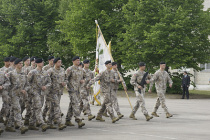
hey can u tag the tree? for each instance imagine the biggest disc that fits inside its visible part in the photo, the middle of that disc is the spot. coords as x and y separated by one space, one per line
174 31
79 27
25 26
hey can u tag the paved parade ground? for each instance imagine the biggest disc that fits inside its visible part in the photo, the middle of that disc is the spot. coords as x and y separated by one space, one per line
191 121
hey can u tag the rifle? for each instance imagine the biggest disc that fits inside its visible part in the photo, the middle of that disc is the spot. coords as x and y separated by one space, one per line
143 81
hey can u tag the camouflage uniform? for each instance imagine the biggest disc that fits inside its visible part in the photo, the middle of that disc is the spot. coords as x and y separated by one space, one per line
115 87
27 99
57 77
105 78
4 82
18 82
46 94
160 78
73 77
37 79
6 104
135 80
86 92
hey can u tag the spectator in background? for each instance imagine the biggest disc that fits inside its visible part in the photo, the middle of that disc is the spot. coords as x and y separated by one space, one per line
185 85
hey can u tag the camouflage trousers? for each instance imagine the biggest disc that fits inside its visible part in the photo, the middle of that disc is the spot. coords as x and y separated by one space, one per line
106 105
85 101
15 110
26 103
114 100
161 101
5 110
74 106
36 115
140 102
54 113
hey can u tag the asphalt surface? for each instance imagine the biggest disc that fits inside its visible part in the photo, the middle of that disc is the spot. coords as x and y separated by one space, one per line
190 121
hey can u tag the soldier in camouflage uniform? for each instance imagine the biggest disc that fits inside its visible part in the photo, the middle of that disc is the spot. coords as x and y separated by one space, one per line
5 110
57 75
86 92
115 87
39 81
161 77
12 65
19 86
106 80
75 76
4 85
47 101
135 80
27 100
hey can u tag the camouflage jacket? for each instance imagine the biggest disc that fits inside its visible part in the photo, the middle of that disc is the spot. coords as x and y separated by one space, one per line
115 85
57 77
4 81
4 69
18 81
38 78
73 76
26 69
160 78
137 77
105 78
47 67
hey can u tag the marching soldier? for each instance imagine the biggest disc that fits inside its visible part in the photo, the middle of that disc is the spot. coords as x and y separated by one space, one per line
19 86
106 79
74 78
161 77
12 65
5 98
57 75
47 102
135 81
26 103
86 92
4 85
39 81
115 87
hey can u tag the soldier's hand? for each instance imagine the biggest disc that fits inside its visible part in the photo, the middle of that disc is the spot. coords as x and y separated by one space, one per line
1 87
87 87
140 87
82 81
170 85
149 91
23 91
63 84
113 80
125 89
44 88
147 81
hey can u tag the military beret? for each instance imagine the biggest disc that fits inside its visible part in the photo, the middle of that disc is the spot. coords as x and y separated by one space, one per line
25 58
75 58
86 61
80 63
6 59
107 62
114 63
56 60
12 59
39 60
162 62
17 60
142 64
50 57
33 58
